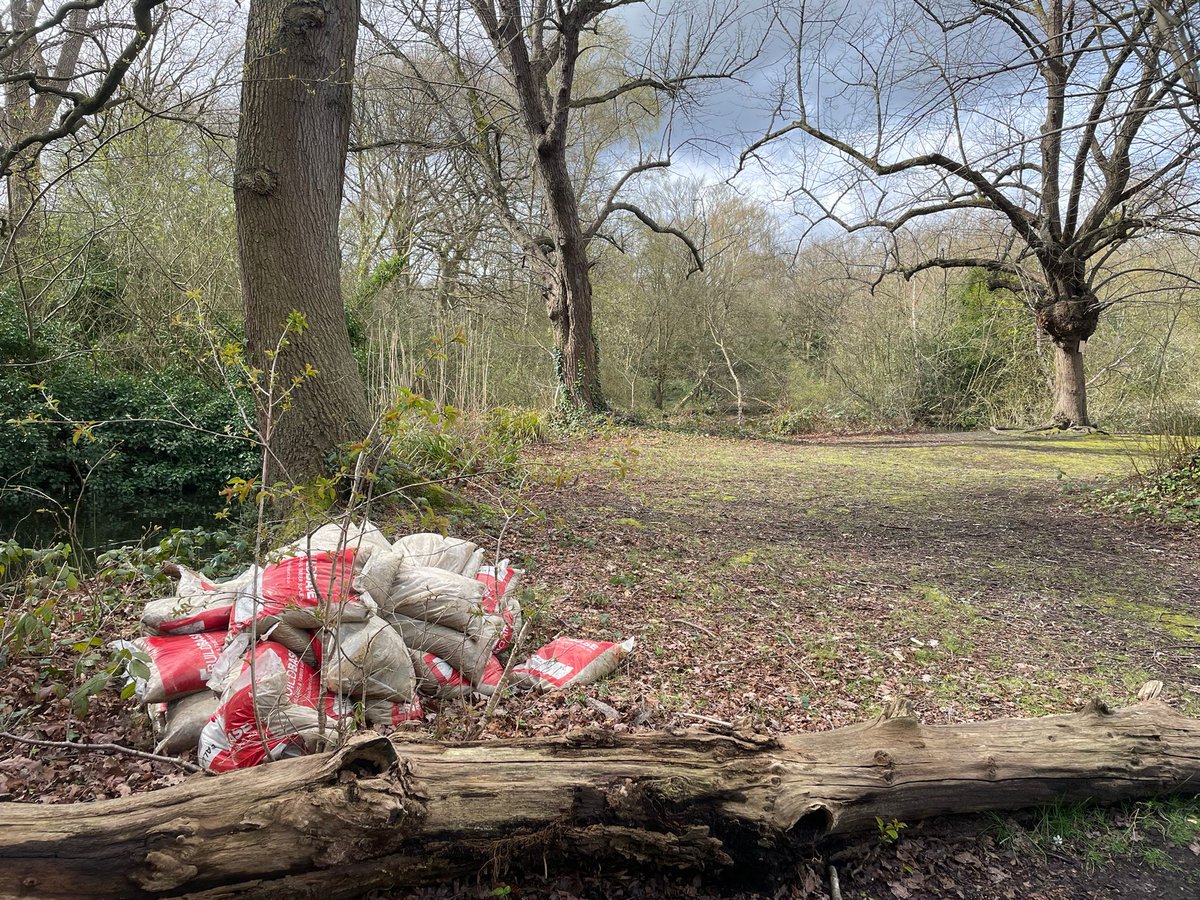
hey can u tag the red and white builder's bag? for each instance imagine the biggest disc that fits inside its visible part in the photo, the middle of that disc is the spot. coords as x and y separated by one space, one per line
271 717
294 591
393 713
570 662
452 554
437 678
501 590
198 604
178 665
188 615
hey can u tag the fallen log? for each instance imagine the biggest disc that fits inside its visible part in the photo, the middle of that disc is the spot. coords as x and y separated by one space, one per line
393 812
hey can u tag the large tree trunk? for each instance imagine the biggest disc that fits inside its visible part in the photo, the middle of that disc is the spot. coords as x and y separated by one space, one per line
1069 321
388 814
1070 386
570 301
291 153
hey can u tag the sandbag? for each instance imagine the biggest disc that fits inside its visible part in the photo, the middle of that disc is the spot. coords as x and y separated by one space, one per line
191 583
184 719
229 664
434 595
570 662
432 550
367 659
501 592
190 614
437 678
378 575
301 641
466 654
179 665
334 537
282 701
198 605
473 564
293 590
390 713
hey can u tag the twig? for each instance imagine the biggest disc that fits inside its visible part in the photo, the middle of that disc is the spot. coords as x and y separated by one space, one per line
502 684
690 624
708 719
835 885
106 748
601 707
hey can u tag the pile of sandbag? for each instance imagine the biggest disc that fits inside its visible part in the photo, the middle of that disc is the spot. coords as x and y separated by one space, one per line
340 626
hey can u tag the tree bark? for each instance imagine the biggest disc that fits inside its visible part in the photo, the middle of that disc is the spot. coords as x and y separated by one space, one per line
569 304
1069 318
291 154
1070 386
391 813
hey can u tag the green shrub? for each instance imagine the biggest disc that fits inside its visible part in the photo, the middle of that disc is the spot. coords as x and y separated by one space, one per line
1170 496
132 438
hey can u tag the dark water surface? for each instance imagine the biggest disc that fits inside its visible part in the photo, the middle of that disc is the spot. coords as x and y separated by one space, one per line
100 526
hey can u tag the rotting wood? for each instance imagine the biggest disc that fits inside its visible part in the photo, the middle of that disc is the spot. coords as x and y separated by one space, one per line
393 812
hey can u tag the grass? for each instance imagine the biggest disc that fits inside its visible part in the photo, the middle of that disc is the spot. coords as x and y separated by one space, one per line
1142 831
804 585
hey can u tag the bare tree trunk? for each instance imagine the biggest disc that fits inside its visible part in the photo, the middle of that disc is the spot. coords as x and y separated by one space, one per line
737 382
390 814
1069 322
291 153
1070 387
570 304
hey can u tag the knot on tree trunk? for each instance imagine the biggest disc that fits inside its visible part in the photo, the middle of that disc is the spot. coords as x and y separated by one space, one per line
1069 321
301 17
260 180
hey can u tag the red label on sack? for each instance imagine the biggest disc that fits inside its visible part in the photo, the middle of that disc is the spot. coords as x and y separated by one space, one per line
406 712
448 676
305 581
215 619
561 660
232 738
299 582
184 661
496 586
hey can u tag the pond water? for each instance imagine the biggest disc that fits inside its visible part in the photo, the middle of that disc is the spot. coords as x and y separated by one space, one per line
100 526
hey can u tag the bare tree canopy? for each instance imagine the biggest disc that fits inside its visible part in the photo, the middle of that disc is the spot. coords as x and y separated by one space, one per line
526 81
1058 124
58 70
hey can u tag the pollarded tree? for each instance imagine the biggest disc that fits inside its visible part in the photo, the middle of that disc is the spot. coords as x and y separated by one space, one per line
1056 121
291 156
518 71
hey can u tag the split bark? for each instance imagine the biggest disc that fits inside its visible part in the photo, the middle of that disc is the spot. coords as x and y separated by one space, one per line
391 813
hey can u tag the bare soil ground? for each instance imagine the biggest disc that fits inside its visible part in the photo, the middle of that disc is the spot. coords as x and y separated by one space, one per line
800 586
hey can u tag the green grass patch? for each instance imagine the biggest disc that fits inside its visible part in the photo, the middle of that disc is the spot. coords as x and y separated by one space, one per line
1141 830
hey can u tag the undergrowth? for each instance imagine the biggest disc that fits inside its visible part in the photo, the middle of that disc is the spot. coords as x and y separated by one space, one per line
1168 489
1100 836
